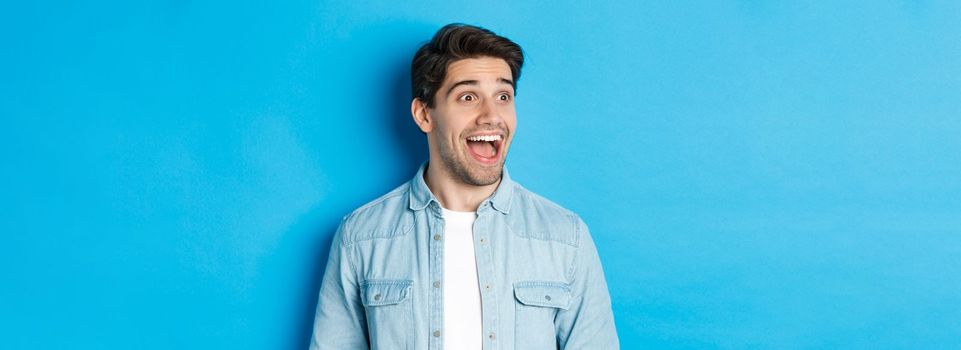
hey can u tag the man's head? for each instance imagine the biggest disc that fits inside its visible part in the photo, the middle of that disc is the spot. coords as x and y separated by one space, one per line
463 83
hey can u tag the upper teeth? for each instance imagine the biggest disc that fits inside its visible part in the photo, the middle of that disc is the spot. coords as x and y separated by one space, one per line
485 138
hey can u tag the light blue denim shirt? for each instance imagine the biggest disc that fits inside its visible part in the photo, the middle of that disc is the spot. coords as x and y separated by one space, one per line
542 286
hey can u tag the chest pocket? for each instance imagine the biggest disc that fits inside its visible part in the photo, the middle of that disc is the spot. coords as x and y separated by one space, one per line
537 305
387 304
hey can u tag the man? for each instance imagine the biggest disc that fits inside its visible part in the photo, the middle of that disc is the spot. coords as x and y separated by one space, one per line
461 257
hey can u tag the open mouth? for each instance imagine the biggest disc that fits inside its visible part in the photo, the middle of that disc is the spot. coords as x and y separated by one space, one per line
486 149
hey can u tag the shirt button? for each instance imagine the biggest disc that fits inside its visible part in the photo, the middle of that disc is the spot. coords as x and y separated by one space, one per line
492 336
483 241
436 237
436 333
436 284
487 286
548 297
377 297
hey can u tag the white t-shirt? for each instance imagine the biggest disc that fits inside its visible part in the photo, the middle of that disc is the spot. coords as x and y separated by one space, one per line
462 300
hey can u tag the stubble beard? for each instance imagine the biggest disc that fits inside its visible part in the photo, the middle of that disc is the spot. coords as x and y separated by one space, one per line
463 169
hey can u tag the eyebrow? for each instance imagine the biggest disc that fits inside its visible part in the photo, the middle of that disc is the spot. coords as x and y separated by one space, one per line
474 83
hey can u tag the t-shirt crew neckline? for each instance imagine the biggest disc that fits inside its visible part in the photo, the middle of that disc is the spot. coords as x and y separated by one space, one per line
458 214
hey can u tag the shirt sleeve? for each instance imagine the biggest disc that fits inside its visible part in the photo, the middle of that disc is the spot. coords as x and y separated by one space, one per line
589 322
340 321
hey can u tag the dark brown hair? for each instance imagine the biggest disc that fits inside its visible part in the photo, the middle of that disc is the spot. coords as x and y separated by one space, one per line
454 42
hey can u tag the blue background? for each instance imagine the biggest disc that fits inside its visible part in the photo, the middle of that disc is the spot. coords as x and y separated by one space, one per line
755 174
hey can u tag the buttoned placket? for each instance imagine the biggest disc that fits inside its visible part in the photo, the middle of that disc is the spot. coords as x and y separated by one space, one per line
485 273
436 242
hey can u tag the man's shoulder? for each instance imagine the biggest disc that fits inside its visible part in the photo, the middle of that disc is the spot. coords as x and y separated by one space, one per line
539 217
384 217
529 200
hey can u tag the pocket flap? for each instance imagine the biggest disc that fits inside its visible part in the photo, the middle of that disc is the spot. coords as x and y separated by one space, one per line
544 294
385 292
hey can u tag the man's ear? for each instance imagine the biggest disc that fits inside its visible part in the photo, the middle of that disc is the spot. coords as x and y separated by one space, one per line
418 110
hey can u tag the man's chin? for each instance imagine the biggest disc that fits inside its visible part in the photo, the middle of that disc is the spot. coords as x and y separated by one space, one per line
469 171
485 176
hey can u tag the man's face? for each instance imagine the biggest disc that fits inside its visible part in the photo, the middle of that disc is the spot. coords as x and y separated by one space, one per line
473 119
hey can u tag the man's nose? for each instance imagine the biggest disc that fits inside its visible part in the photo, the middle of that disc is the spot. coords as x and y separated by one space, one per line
490 114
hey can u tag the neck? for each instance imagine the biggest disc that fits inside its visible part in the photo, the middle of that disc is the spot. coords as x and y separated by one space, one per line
453 194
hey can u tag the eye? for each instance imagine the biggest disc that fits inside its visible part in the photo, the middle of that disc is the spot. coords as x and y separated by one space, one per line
504 97
468 98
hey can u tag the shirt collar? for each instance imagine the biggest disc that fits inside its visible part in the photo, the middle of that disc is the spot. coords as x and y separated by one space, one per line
420 195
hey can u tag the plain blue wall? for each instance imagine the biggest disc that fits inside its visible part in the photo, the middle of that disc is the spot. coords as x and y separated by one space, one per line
755 174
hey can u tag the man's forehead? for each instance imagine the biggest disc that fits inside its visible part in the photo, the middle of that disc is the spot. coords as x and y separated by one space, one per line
478 69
